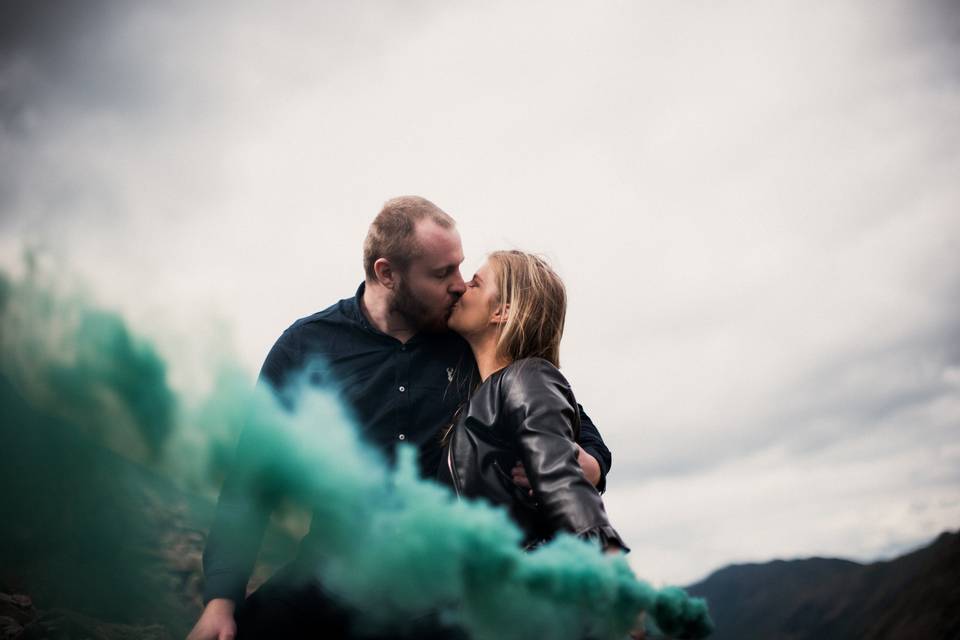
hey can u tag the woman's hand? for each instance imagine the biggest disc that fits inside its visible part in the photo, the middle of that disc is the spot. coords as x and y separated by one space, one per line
589 464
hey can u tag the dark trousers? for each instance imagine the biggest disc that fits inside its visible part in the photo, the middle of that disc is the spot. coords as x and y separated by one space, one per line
293 604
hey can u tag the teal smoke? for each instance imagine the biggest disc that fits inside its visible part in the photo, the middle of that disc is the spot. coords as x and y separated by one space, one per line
393 539
83 363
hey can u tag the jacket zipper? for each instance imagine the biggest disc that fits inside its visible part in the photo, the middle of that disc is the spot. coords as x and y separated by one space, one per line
453 475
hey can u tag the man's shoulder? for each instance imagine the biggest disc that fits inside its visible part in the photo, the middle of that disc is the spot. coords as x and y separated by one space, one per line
339 313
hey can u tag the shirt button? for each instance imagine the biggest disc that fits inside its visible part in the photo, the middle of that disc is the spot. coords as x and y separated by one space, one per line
401 437
402 388
403 348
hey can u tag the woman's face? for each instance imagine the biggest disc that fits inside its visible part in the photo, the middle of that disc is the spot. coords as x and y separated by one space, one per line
475 311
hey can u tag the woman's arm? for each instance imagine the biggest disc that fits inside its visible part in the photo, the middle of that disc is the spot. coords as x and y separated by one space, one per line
589 464
541 409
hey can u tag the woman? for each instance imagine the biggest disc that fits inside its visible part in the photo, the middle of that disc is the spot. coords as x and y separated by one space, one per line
512 315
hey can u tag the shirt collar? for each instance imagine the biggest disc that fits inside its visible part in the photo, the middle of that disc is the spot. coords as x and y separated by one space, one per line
354 311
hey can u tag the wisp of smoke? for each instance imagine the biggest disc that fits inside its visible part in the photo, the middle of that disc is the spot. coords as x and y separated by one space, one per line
396 547
84 364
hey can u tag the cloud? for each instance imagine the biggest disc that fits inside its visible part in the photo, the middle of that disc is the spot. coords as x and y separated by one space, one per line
754 208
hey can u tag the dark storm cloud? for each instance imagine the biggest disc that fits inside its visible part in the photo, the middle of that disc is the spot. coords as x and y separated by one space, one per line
850 394
938 21
130 56
105 71
43 44
865 388
73 76
870 401
47 49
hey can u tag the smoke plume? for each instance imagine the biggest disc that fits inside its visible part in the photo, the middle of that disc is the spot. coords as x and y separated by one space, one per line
406 544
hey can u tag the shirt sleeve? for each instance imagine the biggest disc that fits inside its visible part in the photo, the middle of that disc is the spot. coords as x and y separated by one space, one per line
540 405
284 359
236 534
592 442
242 517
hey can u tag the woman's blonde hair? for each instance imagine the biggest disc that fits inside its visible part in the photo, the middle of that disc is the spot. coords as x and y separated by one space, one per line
537 303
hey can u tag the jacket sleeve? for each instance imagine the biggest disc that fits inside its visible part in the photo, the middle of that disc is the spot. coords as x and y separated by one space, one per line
540 405
592 443
241 517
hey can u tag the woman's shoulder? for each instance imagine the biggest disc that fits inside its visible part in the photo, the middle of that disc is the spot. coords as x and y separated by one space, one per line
533 373
535 387
531 365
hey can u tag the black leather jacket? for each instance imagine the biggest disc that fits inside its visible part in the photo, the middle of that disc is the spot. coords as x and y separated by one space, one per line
526 411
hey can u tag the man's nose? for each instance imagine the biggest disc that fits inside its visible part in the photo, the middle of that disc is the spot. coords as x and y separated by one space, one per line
458 286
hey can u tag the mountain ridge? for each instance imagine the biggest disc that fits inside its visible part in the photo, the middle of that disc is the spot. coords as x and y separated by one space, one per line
915 595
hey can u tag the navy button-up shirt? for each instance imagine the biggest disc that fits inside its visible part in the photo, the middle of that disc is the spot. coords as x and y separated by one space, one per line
399 393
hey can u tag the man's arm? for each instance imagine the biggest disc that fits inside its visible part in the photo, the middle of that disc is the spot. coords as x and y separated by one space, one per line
216 623
231 550
241 517
237 531
590 466
591 444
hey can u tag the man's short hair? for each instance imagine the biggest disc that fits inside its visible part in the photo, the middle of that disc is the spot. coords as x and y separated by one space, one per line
391 233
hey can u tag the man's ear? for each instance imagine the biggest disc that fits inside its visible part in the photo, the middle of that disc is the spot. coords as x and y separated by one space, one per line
385 273
500 315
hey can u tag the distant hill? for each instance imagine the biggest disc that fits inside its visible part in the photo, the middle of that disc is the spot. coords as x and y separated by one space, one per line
914 596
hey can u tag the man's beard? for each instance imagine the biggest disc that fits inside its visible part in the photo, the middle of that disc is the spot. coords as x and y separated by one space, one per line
409 307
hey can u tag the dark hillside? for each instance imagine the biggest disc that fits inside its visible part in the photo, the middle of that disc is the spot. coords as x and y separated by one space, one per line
914 596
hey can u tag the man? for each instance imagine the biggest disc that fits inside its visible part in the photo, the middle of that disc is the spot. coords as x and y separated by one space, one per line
400 370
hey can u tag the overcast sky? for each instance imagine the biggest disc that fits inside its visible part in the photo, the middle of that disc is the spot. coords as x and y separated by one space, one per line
755 207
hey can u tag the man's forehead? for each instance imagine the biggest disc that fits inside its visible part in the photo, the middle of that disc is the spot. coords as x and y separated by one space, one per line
439 246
